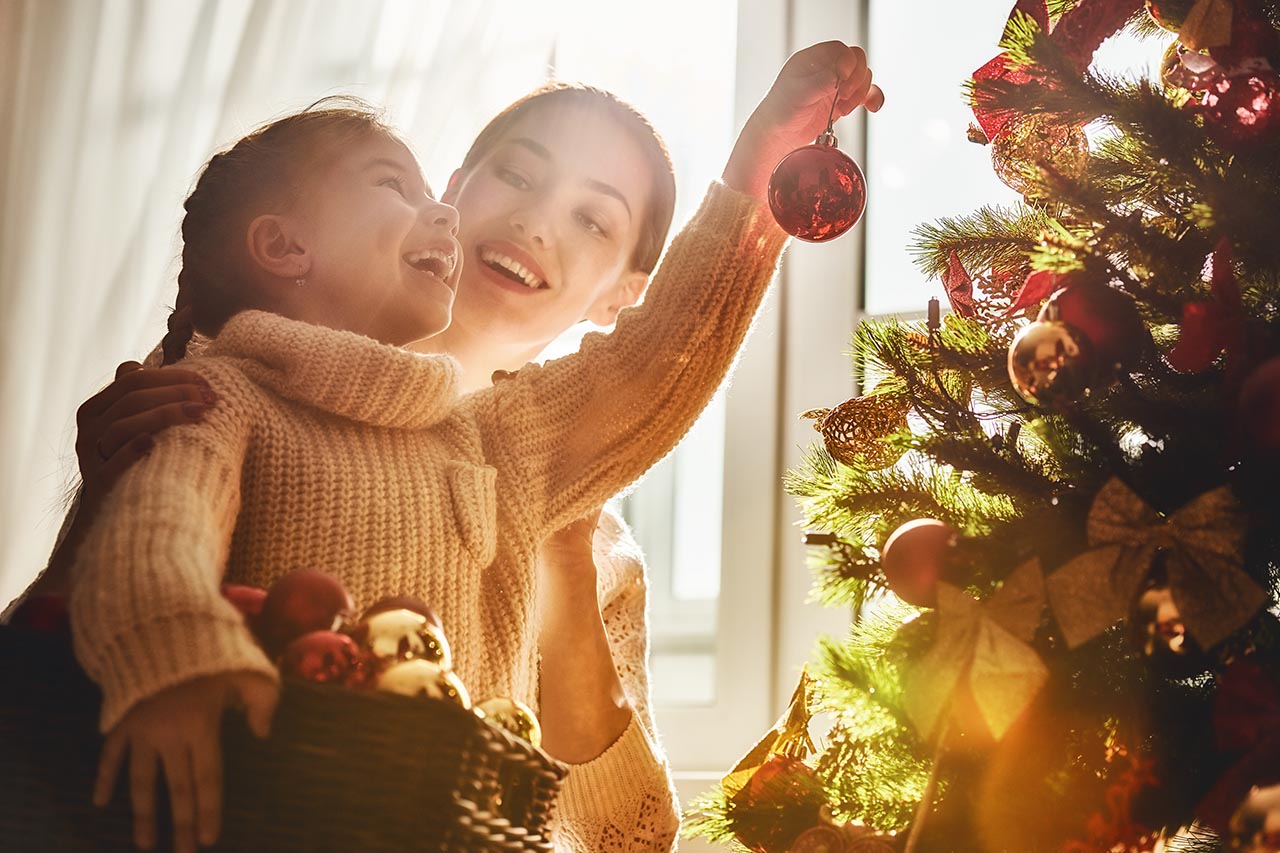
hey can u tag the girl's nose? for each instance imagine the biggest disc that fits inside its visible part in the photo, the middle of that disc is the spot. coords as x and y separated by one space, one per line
443 215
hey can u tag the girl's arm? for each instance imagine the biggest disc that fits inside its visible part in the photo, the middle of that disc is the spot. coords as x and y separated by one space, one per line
573 432
146 608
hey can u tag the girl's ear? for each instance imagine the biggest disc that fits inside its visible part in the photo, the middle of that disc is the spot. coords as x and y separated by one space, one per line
624 293
451 188
274 247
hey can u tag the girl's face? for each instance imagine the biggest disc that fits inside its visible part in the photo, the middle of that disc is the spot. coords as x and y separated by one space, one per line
382 255
550 220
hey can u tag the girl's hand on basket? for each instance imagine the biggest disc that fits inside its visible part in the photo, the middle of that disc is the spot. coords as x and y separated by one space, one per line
180 729
795 110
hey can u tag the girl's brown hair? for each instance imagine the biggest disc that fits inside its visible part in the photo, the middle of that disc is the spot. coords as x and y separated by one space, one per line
662 200
260 173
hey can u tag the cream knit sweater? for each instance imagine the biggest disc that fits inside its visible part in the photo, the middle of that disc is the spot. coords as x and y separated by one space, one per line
329 450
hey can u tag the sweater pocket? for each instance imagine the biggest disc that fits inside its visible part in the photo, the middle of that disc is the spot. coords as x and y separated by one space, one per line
473 492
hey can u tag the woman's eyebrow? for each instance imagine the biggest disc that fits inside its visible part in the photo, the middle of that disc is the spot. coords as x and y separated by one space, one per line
609 190
601 187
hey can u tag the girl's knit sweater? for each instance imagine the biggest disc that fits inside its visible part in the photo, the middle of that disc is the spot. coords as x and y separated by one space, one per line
328 450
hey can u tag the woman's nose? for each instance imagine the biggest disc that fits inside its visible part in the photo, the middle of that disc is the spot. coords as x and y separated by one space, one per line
531 226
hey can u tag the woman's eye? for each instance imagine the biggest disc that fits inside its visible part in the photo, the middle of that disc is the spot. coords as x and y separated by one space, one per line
395 182
515 179
590 224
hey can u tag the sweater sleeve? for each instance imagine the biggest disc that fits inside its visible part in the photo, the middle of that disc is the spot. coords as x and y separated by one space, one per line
573 432
624 799
147 612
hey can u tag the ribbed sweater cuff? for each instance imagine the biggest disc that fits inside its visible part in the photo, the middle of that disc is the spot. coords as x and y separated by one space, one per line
744 219
622 775
138 663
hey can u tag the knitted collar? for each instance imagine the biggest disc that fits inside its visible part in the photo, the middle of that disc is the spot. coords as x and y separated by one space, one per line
340 372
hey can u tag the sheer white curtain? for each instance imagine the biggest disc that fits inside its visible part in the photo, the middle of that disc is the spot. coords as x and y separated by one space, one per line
108 109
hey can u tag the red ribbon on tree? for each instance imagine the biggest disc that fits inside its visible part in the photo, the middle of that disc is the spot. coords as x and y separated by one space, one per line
1078 33
1038 287
959 286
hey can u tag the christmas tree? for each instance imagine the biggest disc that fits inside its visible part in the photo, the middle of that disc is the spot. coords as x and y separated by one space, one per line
1054 511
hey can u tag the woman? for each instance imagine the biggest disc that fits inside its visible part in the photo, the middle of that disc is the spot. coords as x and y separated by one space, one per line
565 200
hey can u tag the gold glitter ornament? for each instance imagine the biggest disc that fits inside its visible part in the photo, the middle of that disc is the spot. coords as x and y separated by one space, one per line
851 431
1032 141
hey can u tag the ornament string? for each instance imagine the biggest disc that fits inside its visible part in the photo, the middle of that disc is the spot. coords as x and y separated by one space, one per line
831 116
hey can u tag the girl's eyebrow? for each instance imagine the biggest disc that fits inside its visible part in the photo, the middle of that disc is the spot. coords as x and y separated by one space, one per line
599 186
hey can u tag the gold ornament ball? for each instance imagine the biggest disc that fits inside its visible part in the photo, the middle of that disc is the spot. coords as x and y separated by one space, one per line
1031 142
1051 364
513 716
915 558
423 678
396 635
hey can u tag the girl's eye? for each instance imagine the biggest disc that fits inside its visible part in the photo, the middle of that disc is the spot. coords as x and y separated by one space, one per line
515 179
590 224
395 182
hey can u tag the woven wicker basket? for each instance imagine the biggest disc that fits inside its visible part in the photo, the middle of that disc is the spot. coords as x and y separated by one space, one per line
342 771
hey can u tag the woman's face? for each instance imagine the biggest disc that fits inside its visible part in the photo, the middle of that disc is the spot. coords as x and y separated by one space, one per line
383 256
551 216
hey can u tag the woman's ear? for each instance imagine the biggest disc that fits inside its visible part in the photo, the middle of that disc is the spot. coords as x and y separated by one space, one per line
624 293
275 248
451 188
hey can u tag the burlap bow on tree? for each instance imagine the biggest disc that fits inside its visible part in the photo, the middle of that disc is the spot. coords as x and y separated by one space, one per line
987 643
1203 542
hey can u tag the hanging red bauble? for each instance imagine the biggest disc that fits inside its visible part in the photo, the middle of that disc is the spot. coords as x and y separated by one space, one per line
915 557
1244 110
1259 408
1108 318
817 192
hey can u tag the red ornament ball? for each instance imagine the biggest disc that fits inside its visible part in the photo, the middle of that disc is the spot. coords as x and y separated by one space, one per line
1259 408
915 558
1242 111
326 657
782 798
299 603
817 192
1108 318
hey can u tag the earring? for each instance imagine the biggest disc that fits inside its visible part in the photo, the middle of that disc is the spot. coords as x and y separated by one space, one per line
300 282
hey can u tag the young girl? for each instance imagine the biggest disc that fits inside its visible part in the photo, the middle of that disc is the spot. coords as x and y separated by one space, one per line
492 410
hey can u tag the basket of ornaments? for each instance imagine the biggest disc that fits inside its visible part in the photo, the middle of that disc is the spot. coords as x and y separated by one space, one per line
376 744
